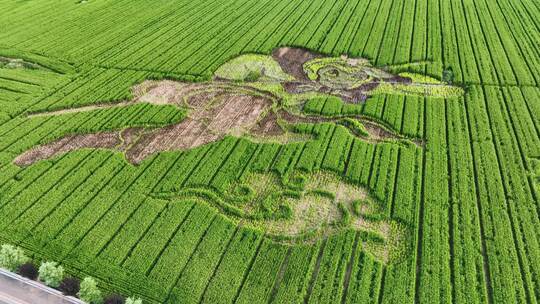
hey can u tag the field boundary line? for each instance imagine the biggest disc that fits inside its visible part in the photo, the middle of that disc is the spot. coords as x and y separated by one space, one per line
419 224
485 256
228 25
157 257
100 166
343 30
199 241
84 206
214 271
279 276
58 181
158 215
451 236
113 236
248 269
332 24
349 268
511 215
315 272
80 239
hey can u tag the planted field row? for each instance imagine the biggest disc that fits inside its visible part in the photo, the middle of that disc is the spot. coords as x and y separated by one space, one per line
463 191
160 39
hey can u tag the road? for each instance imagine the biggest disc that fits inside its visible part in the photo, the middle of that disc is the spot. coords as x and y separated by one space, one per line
15 289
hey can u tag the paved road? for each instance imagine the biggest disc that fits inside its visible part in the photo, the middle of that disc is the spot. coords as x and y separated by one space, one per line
15 289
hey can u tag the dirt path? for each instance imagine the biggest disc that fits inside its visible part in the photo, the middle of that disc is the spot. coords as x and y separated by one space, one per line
80 109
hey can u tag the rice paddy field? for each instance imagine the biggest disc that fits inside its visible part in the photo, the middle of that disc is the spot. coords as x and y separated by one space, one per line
267 151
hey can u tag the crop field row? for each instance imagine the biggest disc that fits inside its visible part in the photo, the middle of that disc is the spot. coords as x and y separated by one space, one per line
162 39
112 222
454 176
41 199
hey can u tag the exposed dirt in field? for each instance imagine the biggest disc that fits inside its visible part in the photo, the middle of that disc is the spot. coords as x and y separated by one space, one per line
128 137
214 113
292 60
18 63
358 95
299 87
107 140
80 109
225 114
267 126
377 132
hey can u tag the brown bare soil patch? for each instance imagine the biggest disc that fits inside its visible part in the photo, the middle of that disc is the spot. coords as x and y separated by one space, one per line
377 132
80 109
292 60
211 120
214 112
165 91
128 137
106 140
298 87
292 119
267 126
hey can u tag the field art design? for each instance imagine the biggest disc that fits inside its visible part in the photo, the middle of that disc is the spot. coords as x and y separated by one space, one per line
241 151
250 95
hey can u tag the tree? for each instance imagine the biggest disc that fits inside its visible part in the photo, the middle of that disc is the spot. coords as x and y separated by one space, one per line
115 299
28 270
131 300
89 292
12 257
51 274
70 286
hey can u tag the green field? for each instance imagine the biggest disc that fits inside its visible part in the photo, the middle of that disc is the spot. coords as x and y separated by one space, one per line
444 208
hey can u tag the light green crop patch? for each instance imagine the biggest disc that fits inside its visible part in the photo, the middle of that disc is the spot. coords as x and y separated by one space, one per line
304 207
352 79
429 90
252 67
16 63
418 78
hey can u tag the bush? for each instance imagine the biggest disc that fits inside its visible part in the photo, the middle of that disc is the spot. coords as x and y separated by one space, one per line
357 207
355 126
28 270
115 299
131 300
12 257
253 76
448 76
345 220
51 274
89 292
70 286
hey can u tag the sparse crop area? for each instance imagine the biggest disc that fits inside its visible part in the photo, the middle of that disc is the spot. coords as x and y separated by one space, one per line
328 151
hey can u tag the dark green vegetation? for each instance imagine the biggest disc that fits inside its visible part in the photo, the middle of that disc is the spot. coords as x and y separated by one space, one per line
467 196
